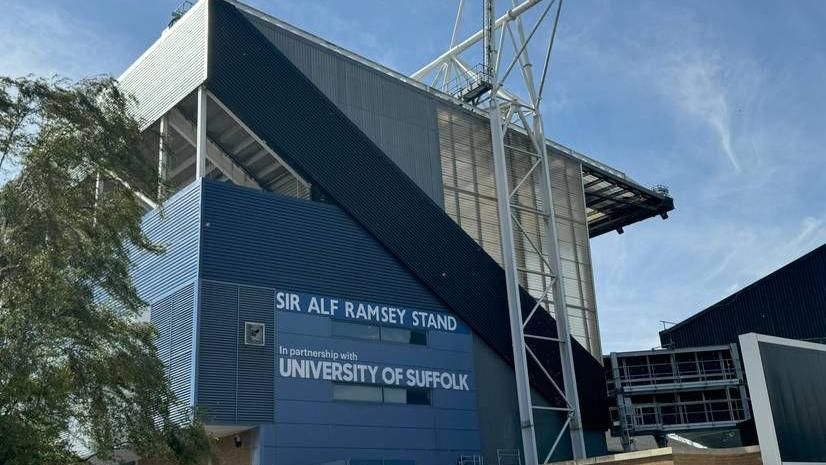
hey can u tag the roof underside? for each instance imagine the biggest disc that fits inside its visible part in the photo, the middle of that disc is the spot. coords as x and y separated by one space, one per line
613 203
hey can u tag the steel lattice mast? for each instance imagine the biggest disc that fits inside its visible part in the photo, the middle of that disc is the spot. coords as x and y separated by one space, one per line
525 117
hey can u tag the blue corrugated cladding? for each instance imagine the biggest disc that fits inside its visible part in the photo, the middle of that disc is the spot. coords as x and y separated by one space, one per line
254 243
790 302
167 283
175 227
282 106
330 242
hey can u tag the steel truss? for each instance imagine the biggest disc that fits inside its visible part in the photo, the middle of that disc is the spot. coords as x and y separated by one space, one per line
507 111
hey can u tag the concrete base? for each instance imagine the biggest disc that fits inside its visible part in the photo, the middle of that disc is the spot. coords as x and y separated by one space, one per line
668 456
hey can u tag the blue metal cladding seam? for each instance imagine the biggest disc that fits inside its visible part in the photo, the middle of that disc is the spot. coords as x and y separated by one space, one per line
263 88
790 302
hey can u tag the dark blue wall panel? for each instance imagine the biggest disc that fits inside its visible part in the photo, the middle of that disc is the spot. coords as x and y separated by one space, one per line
301 245
255 364
235 381
217 381
255 243
282 106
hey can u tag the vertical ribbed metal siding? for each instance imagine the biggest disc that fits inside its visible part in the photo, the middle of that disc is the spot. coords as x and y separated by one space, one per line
400 119
255 364
235 381
172 317
172 68
262 86
218 351
791 303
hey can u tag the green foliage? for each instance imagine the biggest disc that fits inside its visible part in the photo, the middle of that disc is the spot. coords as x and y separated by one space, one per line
75 371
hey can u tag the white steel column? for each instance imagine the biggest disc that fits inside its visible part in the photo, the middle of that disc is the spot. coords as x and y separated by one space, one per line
467 43
523 388
530 121
163 162
201 135
551 246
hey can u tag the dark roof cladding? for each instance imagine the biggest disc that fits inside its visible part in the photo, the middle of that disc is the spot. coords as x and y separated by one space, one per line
789 302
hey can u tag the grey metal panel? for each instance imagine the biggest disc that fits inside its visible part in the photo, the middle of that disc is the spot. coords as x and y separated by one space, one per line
470 200
400 119
499 413
171 68
172 317
498 409
795 383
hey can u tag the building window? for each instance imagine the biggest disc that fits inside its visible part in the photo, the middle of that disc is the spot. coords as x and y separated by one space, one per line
354 330
380 333
357 392
380 394
406 396
381 462
404 336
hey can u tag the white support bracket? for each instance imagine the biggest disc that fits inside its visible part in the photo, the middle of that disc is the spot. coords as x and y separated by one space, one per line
163 157
201 134
473 39
214 153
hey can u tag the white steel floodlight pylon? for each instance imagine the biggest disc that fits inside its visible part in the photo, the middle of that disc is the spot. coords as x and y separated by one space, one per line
486 85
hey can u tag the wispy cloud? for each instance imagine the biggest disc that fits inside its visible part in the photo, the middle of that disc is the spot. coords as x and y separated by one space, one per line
694 81
736 136
36 39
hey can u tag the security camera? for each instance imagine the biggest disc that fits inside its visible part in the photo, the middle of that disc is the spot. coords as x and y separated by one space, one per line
238 441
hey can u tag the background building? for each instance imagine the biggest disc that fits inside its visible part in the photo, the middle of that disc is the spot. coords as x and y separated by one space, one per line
789 303
696 384
330 290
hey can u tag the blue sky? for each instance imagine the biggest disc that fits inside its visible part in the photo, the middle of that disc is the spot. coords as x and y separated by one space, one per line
724 102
